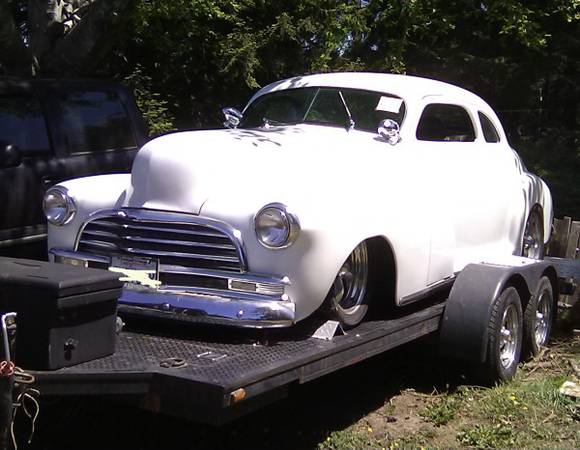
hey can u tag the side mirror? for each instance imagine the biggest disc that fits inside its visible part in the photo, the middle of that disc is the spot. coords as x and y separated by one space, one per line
9 155
389 131
233 117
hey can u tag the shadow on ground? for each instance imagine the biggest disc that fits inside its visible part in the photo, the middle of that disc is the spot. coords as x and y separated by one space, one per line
301 421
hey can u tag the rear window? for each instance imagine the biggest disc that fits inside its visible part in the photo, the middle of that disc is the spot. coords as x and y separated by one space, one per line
95 121
22 124
489 132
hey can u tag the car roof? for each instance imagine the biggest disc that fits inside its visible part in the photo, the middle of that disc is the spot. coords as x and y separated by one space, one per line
405 86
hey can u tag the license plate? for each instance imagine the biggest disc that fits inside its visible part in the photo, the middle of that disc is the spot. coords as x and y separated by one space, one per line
137 270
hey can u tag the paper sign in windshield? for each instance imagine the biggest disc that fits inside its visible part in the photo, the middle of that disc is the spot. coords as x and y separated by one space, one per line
389 104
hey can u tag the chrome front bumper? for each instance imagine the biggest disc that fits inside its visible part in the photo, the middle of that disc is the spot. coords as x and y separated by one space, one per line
250 300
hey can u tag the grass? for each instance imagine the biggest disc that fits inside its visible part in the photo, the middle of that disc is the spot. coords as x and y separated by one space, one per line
528 412
442 411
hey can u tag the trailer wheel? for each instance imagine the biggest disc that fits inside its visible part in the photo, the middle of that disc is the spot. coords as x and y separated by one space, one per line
348 298
504 342
538 318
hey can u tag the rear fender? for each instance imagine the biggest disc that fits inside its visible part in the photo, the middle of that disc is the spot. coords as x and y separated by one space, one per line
464 326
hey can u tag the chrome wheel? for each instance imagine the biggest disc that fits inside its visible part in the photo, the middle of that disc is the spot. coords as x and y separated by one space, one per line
348 292
533 240
543 319
509 336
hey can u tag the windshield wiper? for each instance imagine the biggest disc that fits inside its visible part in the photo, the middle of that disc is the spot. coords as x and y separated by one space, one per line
350 119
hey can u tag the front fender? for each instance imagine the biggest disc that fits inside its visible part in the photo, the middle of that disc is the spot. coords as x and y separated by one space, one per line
90 194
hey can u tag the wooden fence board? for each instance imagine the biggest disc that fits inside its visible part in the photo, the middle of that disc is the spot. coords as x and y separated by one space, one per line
560 238
573 238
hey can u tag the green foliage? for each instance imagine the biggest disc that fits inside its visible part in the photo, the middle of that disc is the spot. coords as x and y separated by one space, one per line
347 440
488 436
518 413
154 109
442 411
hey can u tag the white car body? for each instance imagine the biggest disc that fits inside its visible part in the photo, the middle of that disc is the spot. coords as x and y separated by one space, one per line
437 206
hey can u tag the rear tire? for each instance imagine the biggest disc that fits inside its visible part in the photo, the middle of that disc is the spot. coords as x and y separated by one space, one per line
538 318
504 339
533 238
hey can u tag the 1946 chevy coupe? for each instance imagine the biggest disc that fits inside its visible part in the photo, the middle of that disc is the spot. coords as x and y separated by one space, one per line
337 191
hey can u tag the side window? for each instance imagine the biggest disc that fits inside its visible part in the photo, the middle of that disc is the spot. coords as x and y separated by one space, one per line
442 122
363 106
95 121
489 132
22 124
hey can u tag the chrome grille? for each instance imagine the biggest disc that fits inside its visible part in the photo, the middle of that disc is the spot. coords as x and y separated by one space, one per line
171 238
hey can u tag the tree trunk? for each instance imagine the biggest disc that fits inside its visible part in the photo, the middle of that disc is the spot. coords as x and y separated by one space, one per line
15 58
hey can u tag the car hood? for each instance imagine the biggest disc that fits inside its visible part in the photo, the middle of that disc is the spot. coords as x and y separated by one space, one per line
181 171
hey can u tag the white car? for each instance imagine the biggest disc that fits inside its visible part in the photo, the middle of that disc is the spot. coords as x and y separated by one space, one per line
337 191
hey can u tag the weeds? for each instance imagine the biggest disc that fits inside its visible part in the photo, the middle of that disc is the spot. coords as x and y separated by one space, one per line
488 436
442 411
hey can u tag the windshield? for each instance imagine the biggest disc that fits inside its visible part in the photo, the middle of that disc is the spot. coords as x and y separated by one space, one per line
324 106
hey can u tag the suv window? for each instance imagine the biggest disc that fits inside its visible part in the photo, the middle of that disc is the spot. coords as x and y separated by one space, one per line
22 124
95 121
443 122
489 132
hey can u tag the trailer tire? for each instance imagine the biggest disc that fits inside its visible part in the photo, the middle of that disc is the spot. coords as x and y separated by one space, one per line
504 341
538 319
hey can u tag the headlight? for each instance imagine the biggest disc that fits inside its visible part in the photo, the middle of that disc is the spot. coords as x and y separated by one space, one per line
275 226
59 207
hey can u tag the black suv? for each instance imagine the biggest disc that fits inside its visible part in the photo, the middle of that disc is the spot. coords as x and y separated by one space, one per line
54 130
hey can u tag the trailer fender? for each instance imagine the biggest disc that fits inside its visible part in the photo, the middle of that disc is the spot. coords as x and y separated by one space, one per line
464 325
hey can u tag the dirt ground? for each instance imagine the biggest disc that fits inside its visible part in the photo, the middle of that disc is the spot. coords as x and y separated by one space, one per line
406 398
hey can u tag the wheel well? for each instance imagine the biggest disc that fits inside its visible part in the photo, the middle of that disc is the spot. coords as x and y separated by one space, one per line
383 275
537 209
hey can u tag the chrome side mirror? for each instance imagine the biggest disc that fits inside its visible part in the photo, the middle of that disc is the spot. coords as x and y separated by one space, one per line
233 117
389 131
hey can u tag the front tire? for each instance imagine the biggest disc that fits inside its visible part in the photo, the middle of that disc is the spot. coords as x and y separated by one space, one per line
504 339
538 318
348 299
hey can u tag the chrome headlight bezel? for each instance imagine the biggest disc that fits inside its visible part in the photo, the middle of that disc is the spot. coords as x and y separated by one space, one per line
59 206
291 226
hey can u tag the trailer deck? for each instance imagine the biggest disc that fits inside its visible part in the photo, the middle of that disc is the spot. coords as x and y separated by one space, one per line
214 374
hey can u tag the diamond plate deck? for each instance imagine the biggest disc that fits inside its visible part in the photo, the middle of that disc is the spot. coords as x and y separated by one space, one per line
220 360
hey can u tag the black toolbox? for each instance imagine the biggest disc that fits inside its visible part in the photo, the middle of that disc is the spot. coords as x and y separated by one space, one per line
65 315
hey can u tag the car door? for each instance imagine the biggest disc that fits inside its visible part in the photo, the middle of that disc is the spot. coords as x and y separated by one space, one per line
97 131
23 124
464 183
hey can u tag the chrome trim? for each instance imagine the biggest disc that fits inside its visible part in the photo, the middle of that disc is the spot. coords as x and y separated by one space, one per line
205 309
293 226
269 306
173 269
150 215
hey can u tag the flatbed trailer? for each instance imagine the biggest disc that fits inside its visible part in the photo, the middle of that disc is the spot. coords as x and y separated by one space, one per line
215 374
